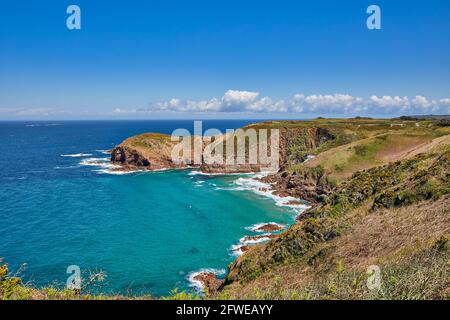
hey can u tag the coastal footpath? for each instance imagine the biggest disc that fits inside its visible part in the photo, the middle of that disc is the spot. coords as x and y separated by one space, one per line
379 197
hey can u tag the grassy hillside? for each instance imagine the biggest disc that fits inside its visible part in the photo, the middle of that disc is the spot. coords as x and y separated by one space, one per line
396 216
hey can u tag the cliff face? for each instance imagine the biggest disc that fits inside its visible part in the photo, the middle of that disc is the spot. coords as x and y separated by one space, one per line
153 151
298 142
128 156
146 152
310 185
297 146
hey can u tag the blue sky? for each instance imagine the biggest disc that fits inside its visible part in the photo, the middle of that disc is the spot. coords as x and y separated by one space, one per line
223 59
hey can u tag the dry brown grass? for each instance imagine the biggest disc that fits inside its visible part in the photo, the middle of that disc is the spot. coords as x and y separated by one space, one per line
392 238
387 234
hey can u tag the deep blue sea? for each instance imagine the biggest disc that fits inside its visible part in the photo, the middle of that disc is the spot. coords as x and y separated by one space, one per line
147 231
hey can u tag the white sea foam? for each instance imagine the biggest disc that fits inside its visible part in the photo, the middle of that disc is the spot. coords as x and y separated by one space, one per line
236 250
265 189
96 162
106 167
77 155
263 238
159 170
14 178
198 284
115 171
256 226
194 173
104 151
43 125
67 167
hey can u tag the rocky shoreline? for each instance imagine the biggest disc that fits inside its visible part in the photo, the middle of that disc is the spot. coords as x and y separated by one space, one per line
209 281
311 187
153 152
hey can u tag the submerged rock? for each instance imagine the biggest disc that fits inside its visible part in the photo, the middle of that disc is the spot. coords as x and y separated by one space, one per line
269 227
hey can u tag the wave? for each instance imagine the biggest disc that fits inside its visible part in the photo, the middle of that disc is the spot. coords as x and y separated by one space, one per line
66 167
116 172
159 170
194 173
103 151
265 189
263 238
14 178
236 250
77 155
96 162
106 166
43 125
198 284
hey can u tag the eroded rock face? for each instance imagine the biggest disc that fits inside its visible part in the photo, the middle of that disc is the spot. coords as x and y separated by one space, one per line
148 159
311 187
127 156
209 281
153 151
295 142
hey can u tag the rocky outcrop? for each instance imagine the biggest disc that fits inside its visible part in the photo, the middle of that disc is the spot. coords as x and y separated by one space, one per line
269 227
147 151
128 156
241 249
209 281
309 184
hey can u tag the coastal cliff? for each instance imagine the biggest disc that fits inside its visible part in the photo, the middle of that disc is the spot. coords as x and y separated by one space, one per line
389 207
379 196
152 151
357 174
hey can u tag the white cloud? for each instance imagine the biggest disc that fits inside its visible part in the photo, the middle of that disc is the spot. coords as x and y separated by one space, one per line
338 103
236 101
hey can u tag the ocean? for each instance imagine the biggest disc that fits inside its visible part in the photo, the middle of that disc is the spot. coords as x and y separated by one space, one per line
149 232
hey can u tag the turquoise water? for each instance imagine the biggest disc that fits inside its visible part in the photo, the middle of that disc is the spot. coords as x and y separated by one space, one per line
146 231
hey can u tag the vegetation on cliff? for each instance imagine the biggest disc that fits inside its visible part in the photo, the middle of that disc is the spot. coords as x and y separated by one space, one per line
395 216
